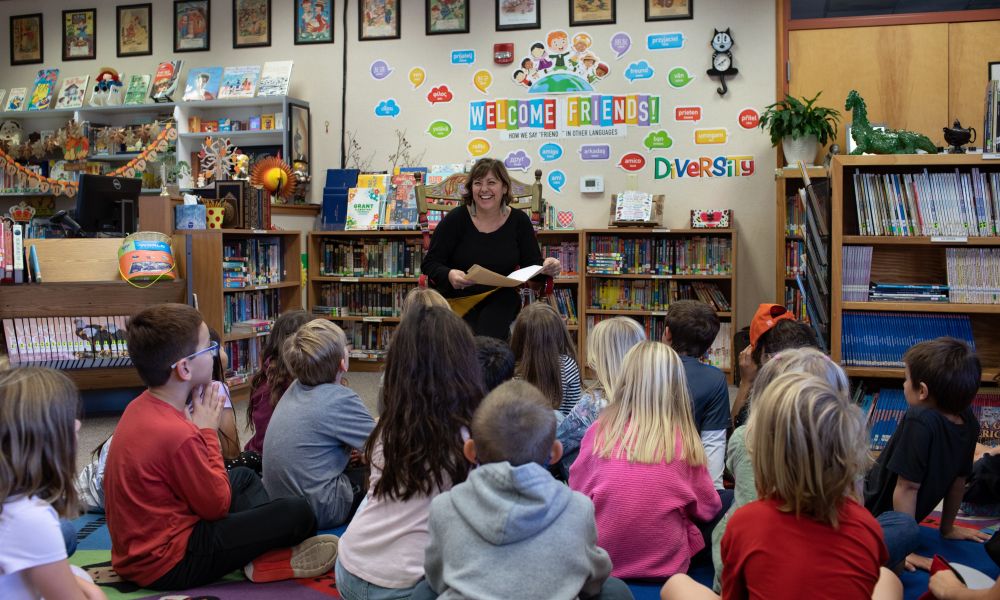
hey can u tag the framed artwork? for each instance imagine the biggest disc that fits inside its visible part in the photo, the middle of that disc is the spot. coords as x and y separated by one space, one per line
313 21
518 14
26 39
668 10
591 12
135 30
251 23
232 194
447 16
994 71
299 132
192 20
378 20
79 34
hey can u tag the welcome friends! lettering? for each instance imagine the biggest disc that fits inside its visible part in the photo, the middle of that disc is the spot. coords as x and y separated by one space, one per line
596 110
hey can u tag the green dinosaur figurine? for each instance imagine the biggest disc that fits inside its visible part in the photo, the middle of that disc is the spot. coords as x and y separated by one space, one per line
890 141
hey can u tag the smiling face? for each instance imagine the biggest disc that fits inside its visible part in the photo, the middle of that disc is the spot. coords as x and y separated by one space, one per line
488 192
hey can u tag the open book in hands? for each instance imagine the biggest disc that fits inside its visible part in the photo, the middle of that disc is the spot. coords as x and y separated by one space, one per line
486 277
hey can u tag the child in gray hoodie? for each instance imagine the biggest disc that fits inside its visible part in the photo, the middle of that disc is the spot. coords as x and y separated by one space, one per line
511 530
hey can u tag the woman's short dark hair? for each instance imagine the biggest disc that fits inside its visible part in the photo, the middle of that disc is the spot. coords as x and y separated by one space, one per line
482 168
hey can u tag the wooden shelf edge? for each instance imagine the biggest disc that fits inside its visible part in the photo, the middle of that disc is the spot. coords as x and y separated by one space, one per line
105 378
367 233
888 240
661 230
632 276
639 313
357 318
360 279
899 373
269 286
297 210
929 307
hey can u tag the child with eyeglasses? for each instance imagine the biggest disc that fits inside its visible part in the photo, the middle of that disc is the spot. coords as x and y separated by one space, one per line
177 519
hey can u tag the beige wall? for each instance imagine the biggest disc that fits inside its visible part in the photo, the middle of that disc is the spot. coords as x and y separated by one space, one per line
317 78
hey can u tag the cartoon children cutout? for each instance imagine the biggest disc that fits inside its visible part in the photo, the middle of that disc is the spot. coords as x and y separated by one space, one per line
581 44
542 63
558 43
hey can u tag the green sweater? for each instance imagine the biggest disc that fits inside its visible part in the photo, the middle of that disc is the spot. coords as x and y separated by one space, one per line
745 492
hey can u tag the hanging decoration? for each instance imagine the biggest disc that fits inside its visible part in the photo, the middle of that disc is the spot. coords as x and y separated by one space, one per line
217 160
274 175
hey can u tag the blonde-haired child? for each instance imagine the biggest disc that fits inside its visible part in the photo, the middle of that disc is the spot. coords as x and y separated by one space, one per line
643 466
38 425
315 426
809 451
607 345
544 351
422 296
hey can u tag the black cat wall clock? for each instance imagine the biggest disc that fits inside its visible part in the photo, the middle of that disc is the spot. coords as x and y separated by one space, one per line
722 59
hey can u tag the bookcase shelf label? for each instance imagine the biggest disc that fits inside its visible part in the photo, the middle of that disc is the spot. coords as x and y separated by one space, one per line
349 279
372 319
950 239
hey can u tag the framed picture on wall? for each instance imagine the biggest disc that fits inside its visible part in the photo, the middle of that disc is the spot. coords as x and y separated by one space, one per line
26 39
192 20
994 71
251 23
378 20
518 14
313 21
79 34
590 12
135 30
299 132
446 16
668 10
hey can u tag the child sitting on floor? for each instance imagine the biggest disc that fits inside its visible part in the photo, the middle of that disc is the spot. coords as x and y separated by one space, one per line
513 440
607 344
643 466
496 360
177 519
545 355
315 426
432 386
38 425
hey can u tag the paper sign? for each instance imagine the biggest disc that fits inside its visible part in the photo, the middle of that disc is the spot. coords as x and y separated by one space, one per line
595 152
665 41
387 108
478 147
638 70
463 57
632 162
749 118
710 136
417 76
380 70
557 179
550 151
657 140
440 93
483 79
687 113
679 77
439 129
484 276
621 42
518 160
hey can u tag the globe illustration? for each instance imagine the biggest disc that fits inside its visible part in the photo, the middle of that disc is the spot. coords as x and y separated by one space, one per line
560 83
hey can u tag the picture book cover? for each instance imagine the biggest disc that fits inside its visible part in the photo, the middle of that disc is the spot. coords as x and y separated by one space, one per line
203 83
165 81
239 82
363 206
138 86
401 204
274 78
16 99
72 92
45 88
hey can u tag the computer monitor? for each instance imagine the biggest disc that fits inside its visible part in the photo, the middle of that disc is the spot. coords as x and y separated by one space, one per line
108 206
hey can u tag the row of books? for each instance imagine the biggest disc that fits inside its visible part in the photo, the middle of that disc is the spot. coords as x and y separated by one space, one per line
795 258
13 260
562 299
856 267
879 339
368 341
67 342
719 355
928 204
973 275
795 303
568 254
653 295
697 255
252 261
991 118
383 202
795 216
371 257
240 307
244 360
907 292
361 299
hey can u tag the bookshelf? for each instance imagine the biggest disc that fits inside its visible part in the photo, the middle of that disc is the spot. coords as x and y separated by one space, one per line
788 212
644 284
912 258
275 253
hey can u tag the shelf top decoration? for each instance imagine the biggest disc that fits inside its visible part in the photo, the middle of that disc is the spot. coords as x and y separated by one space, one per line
275 176
888 141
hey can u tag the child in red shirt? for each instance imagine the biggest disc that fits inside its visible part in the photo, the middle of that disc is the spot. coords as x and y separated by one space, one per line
808 446
177 519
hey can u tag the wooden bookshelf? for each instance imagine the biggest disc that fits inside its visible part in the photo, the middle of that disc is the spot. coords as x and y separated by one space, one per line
788 180
898 259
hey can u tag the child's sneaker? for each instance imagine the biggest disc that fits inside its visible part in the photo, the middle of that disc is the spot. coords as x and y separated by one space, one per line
312 558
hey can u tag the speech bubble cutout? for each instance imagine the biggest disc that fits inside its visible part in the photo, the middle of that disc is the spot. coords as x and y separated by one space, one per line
550 152
478 147
687 113
483 79
639 70
657 140
387 108
439 129
463 57
717 135
440 93
518 160
557 179
595 152
380 70
417 76
679 77
621 43
749 118
665 41
632 162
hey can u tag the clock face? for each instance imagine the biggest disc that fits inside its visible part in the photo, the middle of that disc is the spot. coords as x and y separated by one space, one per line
722 42
722 62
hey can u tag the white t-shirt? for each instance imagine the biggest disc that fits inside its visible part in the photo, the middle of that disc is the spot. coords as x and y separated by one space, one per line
29 537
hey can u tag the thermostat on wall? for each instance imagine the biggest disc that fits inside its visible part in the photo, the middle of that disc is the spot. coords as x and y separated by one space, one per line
592 184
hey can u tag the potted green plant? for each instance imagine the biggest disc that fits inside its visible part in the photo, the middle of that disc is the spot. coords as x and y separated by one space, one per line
801 127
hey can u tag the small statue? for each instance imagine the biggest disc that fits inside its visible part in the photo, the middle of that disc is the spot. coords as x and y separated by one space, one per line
300 171
890 141
834 151
958 136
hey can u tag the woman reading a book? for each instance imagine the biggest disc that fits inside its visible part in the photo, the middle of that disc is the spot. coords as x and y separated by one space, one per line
484 231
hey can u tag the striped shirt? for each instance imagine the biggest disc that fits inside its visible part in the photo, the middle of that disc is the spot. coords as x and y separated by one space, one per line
569 376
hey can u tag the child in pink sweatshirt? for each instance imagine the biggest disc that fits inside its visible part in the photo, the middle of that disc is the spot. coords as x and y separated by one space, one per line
643 466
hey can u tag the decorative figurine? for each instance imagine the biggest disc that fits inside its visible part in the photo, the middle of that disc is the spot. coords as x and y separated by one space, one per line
890 141
958 136
722 58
